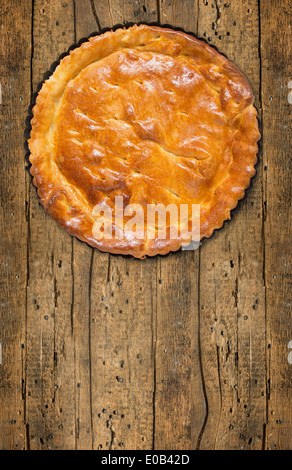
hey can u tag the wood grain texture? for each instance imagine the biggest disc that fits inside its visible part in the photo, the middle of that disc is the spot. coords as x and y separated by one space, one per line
276 74
231 270
121 299
50 383
177 362
15 98
187 351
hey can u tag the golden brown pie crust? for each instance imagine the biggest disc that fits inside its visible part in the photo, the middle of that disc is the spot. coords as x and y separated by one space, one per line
150 114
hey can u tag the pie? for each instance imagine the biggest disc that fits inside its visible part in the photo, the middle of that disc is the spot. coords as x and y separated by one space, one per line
152 116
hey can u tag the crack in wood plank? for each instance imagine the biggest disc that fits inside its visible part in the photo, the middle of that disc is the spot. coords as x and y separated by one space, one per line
95 14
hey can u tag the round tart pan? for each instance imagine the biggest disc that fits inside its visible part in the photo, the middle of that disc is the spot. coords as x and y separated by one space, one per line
146 42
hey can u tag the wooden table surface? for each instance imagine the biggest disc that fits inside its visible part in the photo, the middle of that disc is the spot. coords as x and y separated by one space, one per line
186 351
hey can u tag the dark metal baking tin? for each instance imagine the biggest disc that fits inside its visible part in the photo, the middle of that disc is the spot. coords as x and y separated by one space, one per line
127 25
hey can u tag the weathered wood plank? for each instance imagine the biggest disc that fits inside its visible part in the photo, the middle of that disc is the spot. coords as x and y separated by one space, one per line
82 255
179 400
14 101
122 360
232 293
50 349
276 74
114 301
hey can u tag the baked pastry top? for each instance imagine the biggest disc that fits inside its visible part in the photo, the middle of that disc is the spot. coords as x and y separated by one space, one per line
150 114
